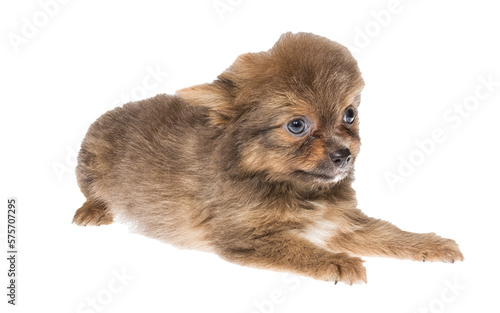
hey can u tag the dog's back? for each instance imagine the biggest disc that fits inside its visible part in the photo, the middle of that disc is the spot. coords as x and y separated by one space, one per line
144 154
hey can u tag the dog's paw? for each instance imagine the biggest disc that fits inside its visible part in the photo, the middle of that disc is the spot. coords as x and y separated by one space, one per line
436 248
92 214
346 269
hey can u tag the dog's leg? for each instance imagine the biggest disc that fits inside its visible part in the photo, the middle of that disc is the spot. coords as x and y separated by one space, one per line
374 237
93 213
292 254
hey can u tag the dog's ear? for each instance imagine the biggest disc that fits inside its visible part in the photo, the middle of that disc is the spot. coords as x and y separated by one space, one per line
218 97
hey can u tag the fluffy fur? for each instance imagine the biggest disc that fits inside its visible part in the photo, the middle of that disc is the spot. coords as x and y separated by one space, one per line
216 168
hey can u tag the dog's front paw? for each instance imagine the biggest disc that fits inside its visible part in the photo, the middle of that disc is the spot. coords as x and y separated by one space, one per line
436 248
344 268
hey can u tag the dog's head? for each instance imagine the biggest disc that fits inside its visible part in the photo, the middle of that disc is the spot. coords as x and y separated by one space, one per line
288 114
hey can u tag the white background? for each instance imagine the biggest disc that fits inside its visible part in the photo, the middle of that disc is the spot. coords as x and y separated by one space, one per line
419 59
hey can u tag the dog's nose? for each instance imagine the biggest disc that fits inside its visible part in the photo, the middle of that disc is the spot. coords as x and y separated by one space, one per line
340 157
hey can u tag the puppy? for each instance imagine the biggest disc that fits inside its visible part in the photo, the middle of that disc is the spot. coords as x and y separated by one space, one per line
256 167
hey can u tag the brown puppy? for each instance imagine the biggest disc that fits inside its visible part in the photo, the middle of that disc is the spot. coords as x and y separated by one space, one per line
256 167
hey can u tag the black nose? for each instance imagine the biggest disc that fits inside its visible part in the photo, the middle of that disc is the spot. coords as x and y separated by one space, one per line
340 157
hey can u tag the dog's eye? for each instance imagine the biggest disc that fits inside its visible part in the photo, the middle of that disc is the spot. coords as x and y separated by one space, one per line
297 126
349 115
